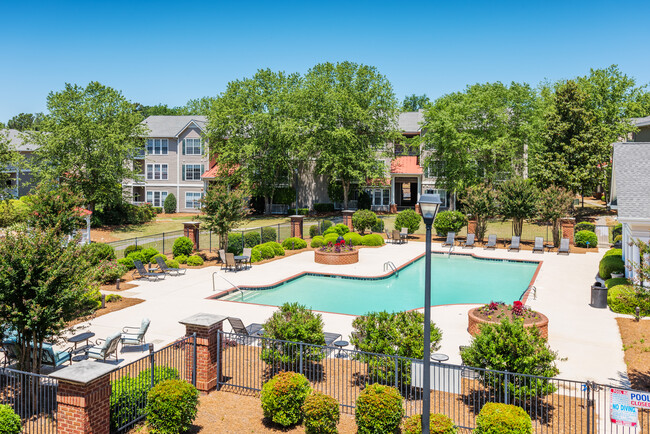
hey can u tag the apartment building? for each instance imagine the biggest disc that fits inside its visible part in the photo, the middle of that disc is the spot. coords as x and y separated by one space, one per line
173 162
20 182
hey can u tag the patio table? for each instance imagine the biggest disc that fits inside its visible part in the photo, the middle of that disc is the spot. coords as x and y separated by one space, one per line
76 339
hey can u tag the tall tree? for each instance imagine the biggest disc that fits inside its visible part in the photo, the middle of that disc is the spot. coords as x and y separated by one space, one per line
253 126
199 106
350 111
413 102
89 138
224 208
554 203
518 199
158 110
480 202
8 157
25 121
481 135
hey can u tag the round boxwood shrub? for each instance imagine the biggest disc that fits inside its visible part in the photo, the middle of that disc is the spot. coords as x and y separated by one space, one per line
503 418
182 259
127 263
408 219
326 225
182 246
618 229
266 251
172 263
438 424
10 421
610 283
353 238
252 239
321 413
294 243
256 255
99 252
330 231
171 407
330 238
317 241
618 238
614 252
194 261
363 219
137 256
130 249
585 226
584 237
378 226
378 410
278 250
152 260
170 204
625 299
372 240
609 265
235 244
148 253
313 231
339 229
283 397
268 235
449 221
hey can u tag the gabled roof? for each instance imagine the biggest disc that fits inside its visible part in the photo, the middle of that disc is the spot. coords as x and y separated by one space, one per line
172 126
17 142
411 122
641 122
405 165
630 180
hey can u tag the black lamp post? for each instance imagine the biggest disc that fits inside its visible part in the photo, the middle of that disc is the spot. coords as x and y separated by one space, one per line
429 205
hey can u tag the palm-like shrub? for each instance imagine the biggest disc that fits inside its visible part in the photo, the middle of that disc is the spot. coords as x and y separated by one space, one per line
283 397
378 410
408 219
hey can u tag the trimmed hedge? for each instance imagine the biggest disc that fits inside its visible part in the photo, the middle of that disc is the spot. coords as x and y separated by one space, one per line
408 219
294 243
324 207
321 413
503 418
9 421
194 261
252 239
256 255
331 237
438 424
300 211
618 229
317 241
585 226
583 237
449 221
610 283
609 265
182 246
372 240
234 244
171 407
283 397
339 229
614 252
313 231
378 410
353 238
182 259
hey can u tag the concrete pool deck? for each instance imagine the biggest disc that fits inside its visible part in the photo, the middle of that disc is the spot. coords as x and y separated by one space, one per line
587 339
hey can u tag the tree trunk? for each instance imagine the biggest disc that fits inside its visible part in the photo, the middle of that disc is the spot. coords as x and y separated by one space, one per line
481 228
267 205
223 242
346 191
517 226
556 232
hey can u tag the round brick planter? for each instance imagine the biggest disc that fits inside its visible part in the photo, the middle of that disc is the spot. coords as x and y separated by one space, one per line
336 258
474 321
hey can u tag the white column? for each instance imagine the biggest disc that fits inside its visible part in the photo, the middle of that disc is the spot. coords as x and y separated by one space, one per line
419 188
392 190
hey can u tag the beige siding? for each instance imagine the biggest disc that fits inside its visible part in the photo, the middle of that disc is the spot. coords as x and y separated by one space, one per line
182 198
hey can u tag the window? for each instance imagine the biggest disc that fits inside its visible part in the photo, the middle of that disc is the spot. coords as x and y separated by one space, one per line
156 198
442 193
192 200
192 147
157 147
380 196
434 169
157 171
192 172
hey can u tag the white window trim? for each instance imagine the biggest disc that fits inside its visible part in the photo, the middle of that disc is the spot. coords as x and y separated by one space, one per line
153 172
166 148
193 166
194 140
162 196
193 194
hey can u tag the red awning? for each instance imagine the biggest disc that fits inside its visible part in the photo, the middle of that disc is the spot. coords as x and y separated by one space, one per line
405 165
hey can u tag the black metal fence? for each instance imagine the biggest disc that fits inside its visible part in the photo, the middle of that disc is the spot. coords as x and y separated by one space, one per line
33 398
555 405
131 383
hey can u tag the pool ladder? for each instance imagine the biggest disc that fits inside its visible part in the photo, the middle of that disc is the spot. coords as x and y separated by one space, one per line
388 265
214 288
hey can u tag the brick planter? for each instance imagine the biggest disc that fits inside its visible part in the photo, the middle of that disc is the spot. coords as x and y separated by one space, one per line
336 258
473 322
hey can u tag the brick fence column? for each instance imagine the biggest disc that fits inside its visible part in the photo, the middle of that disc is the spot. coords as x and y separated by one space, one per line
83 398
347 218
206 326
393 208
191 231
471 227
568 225
296 225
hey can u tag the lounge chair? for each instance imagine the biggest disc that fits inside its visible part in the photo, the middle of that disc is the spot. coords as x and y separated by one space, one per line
128 337
248 252
492 242
143 273
162 266
104 348
515 243
330 338
231 263
222 258
469 242
53 358
539 245
253 329
564 246
404 234
397 238
389 236
451 238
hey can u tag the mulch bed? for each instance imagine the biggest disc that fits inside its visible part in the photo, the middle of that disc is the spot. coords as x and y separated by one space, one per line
110 307
636 344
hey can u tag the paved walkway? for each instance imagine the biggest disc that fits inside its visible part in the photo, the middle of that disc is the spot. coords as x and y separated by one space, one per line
587 339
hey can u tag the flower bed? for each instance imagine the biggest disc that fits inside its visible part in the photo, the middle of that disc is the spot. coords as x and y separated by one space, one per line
495 312
331 258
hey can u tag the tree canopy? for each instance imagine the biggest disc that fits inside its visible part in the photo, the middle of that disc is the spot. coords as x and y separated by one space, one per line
25 121
224 209
415 102
8 157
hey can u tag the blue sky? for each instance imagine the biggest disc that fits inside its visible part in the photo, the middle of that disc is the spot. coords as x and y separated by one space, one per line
169 52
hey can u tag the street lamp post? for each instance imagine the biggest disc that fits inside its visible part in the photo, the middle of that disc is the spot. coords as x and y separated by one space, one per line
429 204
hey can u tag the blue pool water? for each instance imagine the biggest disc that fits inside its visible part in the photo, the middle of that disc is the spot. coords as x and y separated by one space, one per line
455 279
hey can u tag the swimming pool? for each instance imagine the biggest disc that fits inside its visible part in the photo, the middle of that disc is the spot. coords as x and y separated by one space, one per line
456 279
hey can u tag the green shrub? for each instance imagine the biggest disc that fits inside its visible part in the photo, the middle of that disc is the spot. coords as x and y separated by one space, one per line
509 346
277 248
300 211
283 397
324 207
408 219
112 298
170 204
614 252
268 235
610 283
313 231
609 265
353 238
321 413
341 229
10 421
363 219
618 238
449 221
152 260
126 263
378 410
13 211
438 424
372 240
256 255
317 241
182 246
194 261
625 299
137 256
497 418
331 237
109 271
130 249
97 253
585 226
171 407
294 243
583 237
266 251
378 226
618 229
149 253
235 243
330 231
182 259
326 225
252 239
157 209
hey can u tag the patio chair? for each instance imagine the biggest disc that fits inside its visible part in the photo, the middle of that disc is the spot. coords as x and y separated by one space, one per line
104 348
134 338
564 246
515 243
389 237
9 353
222 258
539 245
54 358
248 252
397 238
451 239
469 242
331 337
492 242
253 329
162 265
231 263
404 234
143 273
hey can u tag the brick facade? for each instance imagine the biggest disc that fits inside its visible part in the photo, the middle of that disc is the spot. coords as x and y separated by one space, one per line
471 227
336 258
297 225
474 321
568 228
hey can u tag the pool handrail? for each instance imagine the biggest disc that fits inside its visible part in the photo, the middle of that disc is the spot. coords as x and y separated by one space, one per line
214 288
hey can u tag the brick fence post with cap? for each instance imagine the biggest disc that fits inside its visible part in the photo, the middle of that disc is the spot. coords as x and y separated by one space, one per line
206 326
83 398
568 225
297 225
347 218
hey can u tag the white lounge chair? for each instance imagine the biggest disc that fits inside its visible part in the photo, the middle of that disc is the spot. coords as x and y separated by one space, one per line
128 337
104 348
